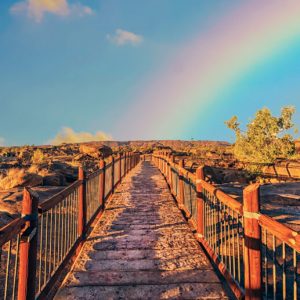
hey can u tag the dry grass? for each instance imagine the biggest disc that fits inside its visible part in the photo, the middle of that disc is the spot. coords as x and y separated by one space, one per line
13 178
38 157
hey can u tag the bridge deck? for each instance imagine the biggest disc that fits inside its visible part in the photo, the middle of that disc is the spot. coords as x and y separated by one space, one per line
142 248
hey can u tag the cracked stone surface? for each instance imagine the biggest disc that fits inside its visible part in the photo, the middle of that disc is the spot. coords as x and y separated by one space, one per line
142 247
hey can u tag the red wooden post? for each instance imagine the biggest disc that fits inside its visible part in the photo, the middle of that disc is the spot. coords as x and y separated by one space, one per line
120 168
200 201
28 247
166 164
168 169
102 182
81 204
170 174
132 162
112 174
181 185
252 250
125 162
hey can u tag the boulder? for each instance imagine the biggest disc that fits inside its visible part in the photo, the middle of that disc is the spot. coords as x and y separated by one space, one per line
67 171
95 151
31 179
54 179
236 177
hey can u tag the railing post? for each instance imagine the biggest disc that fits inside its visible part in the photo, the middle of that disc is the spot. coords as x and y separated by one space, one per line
81 205
125 163
120 168
252 250
171 178
168 169
102 183
112 174
28 247
181 185
200 201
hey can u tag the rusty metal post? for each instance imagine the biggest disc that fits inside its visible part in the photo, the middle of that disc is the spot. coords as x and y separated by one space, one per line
112 174
102 182
200 201
81 204
28 247
181 184
252 250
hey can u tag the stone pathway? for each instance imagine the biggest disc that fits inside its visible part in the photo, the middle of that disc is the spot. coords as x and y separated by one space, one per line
142 248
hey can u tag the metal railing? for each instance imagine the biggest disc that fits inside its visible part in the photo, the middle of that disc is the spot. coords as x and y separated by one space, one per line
258 256
36 247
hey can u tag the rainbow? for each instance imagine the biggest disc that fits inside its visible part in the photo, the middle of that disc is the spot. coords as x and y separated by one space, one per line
200 70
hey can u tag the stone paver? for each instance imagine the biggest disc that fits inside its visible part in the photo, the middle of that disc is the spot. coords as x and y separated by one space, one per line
142 248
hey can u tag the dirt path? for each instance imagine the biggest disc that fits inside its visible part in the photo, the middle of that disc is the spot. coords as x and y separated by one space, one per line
142 248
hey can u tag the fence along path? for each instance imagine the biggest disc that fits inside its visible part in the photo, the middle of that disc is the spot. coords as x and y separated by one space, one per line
258 256
142 247
37 248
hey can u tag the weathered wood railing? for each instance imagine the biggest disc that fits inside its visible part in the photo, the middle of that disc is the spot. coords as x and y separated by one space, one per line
36 247
258 256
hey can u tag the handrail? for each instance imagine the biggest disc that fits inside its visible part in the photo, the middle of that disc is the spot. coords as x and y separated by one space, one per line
42 242
10 230
284 233
51 202
246 245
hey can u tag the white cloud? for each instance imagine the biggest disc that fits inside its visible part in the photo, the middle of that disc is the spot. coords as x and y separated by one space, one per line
36 9
68 135
2 141
123 37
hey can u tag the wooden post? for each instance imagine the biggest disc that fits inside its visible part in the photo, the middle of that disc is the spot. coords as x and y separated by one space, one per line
28 247
120 168
171 179
169 168
81 204
125 163
200 201
252 250
102 183
181 185
112 174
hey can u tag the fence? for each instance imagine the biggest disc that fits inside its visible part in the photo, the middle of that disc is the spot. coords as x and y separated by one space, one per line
258 256
35 248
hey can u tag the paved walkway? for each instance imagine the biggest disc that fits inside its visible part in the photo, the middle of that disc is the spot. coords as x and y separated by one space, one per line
142 248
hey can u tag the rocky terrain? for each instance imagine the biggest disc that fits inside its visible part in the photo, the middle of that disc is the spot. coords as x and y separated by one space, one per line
48 169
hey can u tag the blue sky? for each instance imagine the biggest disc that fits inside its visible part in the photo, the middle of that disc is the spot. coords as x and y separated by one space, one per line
68 66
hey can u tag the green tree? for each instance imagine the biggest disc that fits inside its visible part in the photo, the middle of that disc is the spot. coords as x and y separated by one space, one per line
266 137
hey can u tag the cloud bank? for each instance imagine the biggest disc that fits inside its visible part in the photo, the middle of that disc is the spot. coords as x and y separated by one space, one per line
123 37
68 135
36 9
2 141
